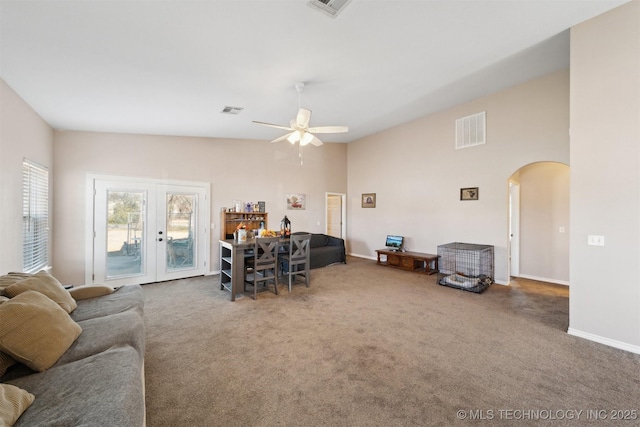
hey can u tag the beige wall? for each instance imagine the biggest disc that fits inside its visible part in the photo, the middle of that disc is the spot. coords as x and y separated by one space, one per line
237 169
544 208
413 168
23 134
417 173
605 177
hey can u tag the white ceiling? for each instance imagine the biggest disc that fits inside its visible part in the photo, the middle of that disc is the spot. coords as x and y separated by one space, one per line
169 67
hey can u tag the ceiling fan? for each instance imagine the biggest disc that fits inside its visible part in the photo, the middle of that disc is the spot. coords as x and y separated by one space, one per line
299 130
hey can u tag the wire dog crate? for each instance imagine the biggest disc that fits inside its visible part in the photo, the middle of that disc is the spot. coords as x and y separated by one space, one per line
466 266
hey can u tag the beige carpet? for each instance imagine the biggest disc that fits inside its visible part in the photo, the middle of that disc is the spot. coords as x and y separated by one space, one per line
367 345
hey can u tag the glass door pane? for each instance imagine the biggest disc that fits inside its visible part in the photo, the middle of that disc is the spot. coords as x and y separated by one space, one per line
125 233
124 251
180 226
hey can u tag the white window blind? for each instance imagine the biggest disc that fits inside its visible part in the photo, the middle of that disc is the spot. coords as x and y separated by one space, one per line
35 216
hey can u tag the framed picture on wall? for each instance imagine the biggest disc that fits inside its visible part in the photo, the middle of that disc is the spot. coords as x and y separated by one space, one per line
470 193
296 201
369 200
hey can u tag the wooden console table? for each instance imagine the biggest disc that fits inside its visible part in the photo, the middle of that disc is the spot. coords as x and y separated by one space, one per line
414 261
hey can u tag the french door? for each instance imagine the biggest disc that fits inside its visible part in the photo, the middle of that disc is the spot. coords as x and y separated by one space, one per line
145 232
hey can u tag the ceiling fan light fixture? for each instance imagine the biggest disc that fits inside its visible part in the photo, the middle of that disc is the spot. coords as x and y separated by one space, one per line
306 138
294 137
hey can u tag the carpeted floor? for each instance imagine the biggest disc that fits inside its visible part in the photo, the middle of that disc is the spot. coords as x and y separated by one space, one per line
368 345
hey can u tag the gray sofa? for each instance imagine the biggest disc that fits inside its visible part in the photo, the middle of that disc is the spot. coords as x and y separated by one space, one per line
99 380
325 250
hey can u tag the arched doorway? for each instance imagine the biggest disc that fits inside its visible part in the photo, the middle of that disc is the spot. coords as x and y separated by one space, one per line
539 222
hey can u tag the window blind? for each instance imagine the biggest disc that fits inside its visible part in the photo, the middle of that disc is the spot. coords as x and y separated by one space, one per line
35 216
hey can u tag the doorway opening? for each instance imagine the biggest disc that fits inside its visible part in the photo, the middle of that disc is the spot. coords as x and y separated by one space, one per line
538 229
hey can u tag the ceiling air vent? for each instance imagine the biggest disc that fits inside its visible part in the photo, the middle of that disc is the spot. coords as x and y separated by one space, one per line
329 7
471 130
232 110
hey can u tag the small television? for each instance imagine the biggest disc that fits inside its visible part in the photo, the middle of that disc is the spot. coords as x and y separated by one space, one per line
394 243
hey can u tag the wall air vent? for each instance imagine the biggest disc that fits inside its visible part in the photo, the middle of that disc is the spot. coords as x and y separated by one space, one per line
471 130
232 110
329 7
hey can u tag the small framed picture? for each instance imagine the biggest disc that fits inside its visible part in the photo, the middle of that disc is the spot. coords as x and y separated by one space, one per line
470 193
296 201
369 200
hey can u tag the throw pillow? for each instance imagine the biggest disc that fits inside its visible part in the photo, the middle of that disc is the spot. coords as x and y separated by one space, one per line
35 331
13 402
90 291
5 363
46 284
11 278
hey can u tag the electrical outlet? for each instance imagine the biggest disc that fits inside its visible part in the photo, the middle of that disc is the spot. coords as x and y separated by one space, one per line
595 240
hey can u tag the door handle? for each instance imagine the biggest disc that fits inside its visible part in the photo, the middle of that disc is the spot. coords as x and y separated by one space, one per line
160 239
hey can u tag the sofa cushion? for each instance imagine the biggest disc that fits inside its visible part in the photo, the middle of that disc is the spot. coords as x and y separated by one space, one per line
13 402
125 298
102 389
46 284
90 291
35 331
102 333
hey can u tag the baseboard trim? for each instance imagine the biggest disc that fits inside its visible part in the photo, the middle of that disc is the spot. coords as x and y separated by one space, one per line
606 341
544 279
363 256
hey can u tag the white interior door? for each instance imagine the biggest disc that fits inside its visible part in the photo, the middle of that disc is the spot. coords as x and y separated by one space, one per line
335 215
145 232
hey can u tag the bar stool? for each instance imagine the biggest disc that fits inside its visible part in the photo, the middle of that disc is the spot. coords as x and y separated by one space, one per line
264 264
296 262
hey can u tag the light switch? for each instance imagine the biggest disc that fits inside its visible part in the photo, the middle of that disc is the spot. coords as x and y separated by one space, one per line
561 230
595 240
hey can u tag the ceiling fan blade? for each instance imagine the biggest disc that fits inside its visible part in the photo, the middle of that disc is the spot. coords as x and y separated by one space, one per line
303 117
283 137
329 129
271 125
315 141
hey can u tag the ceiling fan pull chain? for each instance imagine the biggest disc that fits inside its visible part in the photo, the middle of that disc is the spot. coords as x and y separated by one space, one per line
299 88
300 153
